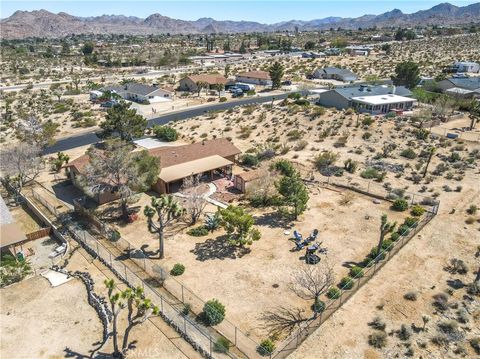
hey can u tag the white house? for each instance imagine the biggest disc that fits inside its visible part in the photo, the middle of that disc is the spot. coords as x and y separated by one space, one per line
464 66
138 92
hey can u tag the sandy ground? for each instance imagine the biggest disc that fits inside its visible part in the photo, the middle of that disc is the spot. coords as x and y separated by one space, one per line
263 271
418 267
38 321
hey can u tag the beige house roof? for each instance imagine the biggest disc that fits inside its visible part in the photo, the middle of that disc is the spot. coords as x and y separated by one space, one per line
11 233
260 75
191 168
211 79
253 175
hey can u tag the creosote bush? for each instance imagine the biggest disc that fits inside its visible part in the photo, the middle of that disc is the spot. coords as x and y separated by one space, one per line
377 339
400 205
222 345
178 269
417 210
266 347
333 293
410 296
213 312
356 272
346 283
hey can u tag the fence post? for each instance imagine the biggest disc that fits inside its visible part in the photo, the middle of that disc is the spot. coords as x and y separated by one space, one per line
235 336
210 345
183 300
98 250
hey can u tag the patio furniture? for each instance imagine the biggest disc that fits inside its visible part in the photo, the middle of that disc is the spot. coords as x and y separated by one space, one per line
298 236
313 236
299 245
312 258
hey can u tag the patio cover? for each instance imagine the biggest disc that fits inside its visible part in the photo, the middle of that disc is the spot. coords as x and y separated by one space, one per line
195 167
10 234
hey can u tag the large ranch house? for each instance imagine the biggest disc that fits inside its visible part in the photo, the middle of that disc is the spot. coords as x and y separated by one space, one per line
370 99
189 83
134 91
255 78
210 160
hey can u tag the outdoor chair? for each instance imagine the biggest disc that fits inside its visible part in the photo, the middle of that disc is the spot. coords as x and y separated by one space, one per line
313 236
299 245
298 236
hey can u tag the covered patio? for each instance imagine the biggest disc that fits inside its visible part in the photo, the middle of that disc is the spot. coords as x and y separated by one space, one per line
171 178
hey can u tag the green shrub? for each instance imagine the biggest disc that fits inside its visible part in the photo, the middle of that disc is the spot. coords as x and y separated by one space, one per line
302 102
222 345
417 210
186 309
165 133
395 236
266 347
403 230
346 283
356 272
198 231
377 339
372 173
213 312
410 222
178 269
374 253
223 99
400 205
333 293
408 153
387 245
318 306
249 160
367 121
285 167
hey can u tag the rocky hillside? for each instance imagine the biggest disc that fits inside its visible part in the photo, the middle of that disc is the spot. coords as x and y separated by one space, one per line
43 23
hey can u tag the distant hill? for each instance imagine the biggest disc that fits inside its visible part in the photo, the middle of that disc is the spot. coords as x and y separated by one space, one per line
42 23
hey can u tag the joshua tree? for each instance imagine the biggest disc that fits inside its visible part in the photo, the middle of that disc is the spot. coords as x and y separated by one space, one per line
430 155
167 210
474 115
385 228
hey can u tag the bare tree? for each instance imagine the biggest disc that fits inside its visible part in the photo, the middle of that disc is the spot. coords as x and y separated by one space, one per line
310 282
195 201
33 131
22 162
282 320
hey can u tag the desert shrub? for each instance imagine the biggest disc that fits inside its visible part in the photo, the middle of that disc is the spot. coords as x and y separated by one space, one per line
186 308
300 145
285 167
395 236
295 134
198 231
463 316
448 326
458 266
372 173
377 339
356 272
333 293
475 344
165 133
350 165
318 306
410 296
213 312
377 323
223 99
222 345
249 160
266 347
408 153
410 222
440 301
417 210
178 269
325 159
302 102
367 121
472 209
405 332
400 205
387 245
404 229
346 283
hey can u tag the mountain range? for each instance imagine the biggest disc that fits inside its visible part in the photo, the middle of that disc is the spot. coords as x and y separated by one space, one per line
42 23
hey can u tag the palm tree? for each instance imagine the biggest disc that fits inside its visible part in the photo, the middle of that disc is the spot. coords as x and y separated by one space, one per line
385 228
167 210
431 152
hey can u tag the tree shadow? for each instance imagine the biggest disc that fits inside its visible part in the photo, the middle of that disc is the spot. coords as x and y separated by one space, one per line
351 264
273 220
69 353
218 248
66 191
455 284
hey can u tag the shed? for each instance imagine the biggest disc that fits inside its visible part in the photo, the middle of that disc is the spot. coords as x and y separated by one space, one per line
242 180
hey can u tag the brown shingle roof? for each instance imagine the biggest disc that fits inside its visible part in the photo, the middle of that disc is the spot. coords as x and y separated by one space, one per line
79 163
211 79
261 75
174 155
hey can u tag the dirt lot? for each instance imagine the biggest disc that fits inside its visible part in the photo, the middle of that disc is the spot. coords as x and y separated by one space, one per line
263 271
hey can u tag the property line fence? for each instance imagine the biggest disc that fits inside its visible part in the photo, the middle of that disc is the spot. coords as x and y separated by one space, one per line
375 189
294 340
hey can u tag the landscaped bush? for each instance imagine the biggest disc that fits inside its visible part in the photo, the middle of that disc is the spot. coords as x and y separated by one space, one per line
213 312
249 160
198 231
395 236
374 253
165 133
356 272
410 222
400 205
404 230
333 293
387 245
318 306
417 210
346 283
266 347
178 269
222 345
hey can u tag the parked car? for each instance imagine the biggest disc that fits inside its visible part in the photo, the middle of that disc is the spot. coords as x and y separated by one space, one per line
287 83
238 93
233 89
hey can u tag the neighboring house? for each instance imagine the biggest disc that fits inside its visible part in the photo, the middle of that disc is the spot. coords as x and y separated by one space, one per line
313 55
189 83
371 99
358 50
209 159
138 92
467 87
254 77
11 236
464 66
332 51
245 179
335 73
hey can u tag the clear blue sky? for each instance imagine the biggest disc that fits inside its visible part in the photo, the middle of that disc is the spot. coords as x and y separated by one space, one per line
268 11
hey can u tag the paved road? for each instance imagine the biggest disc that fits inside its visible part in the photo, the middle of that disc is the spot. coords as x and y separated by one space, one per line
88 138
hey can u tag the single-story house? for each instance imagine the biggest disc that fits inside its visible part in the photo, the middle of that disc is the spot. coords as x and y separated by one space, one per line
207 159
358 50
465 66
254 77
335 73
332 51
365 98
134 91
11 235
313 55
471 84
189 83
243 180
